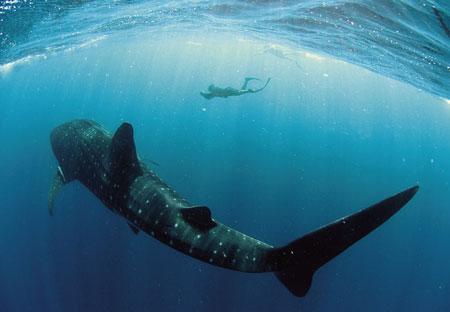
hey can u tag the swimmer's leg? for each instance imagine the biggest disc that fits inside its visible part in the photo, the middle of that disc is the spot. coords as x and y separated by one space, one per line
207 96
247 79
260 89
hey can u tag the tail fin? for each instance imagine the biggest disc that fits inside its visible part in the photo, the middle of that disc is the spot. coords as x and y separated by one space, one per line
304 256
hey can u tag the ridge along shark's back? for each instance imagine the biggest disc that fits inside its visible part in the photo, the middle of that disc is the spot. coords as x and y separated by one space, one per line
108 166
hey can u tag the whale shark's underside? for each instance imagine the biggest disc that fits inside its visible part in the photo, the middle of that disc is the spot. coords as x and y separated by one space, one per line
110 168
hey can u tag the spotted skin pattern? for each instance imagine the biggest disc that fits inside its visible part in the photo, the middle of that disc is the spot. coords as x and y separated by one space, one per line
110 168
83 148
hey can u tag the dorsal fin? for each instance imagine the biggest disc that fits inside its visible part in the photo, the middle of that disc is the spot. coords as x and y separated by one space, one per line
123 158
199 217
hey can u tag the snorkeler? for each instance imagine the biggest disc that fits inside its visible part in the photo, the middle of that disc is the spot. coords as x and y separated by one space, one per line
214 91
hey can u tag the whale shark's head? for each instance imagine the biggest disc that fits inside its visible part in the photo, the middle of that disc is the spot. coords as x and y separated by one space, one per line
76 142
106 164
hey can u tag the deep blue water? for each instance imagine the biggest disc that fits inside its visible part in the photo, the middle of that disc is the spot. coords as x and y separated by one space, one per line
323 140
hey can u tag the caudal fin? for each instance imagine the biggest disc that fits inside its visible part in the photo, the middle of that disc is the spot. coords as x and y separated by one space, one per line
304 256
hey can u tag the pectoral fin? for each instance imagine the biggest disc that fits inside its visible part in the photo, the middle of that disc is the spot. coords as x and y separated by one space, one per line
58 182
133 228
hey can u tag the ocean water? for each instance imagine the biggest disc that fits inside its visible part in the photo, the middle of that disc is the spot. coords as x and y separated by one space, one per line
357 110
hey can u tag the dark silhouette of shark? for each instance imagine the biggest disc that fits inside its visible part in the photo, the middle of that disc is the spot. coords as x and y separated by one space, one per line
110 168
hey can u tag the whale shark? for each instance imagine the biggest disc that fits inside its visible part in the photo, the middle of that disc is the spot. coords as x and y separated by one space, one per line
108 165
